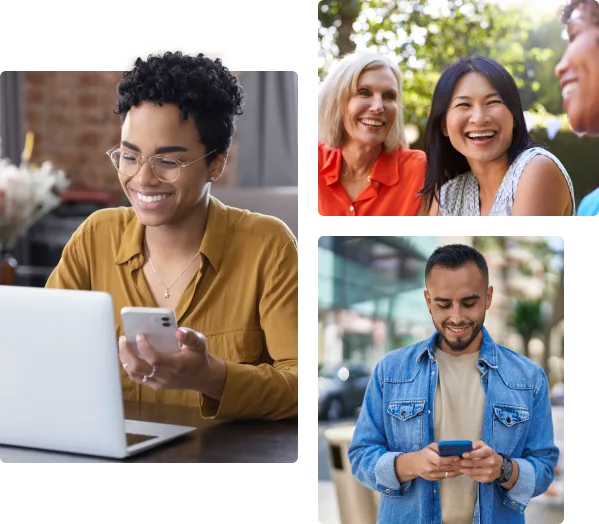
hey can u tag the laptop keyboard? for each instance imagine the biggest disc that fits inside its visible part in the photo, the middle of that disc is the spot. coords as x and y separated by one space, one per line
132 438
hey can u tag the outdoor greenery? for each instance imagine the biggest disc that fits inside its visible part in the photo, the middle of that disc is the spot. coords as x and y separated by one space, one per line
530 316
425 37
527 320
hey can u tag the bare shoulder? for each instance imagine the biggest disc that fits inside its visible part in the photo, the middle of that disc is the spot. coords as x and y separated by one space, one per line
434 209
423 209
542 190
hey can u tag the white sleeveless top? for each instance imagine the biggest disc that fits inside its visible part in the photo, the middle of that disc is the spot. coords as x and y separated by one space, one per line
459 196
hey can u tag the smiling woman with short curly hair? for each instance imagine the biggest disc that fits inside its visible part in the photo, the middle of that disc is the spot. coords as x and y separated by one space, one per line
202 88
229 275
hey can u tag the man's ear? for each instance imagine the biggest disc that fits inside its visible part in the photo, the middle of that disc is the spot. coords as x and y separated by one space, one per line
489 296
427 297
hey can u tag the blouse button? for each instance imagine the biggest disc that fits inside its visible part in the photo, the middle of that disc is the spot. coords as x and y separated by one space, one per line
376 184
351 208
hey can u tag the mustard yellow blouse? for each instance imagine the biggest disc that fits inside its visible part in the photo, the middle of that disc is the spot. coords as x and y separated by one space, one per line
243 299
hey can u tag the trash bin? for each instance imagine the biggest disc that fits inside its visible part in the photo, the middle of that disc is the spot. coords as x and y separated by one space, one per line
357 504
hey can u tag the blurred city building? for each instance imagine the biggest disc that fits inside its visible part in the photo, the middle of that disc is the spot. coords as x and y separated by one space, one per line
370 298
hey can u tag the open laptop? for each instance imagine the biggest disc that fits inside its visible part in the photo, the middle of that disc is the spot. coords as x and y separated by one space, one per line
60 386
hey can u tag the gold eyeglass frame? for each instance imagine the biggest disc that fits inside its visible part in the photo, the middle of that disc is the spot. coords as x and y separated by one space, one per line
142 159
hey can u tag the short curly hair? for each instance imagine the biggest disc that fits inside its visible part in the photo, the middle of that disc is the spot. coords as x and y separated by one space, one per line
199 86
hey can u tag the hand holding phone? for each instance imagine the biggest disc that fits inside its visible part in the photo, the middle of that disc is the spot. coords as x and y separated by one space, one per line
450 448
427 464
159 325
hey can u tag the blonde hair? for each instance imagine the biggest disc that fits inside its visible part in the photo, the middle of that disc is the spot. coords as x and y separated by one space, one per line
337 88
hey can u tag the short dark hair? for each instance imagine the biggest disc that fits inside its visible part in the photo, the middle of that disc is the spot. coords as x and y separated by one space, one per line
199 86
443 161
573 4
455 256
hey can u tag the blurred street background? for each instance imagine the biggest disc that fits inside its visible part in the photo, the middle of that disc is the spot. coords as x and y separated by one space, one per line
371 302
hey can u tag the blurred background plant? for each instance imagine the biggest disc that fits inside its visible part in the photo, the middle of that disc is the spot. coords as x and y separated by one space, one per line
27 193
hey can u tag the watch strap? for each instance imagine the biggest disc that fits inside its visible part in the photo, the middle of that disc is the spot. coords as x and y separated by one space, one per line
506 470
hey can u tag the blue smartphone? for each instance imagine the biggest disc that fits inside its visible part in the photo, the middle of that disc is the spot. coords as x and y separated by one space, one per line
451 448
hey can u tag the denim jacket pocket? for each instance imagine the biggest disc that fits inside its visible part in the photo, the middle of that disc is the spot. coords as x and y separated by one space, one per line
406 422
509 424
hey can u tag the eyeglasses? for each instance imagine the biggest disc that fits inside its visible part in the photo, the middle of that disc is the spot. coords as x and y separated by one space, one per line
165 168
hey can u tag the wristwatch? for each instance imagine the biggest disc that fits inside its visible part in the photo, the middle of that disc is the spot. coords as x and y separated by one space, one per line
507 468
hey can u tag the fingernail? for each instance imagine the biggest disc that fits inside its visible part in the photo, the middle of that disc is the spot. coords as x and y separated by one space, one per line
121 339
139 338
456 459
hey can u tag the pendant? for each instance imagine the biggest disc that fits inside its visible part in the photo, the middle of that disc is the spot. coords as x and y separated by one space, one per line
166 295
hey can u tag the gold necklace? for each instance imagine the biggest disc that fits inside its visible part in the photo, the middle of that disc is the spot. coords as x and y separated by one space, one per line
166 288
345 173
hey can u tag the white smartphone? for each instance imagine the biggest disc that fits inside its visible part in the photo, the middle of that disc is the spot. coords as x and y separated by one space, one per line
159 325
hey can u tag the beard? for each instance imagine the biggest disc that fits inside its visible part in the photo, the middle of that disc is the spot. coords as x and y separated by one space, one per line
462 342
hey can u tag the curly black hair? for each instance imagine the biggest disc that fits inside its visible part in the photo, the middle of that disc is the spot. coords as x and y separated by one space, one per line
199 86
572 5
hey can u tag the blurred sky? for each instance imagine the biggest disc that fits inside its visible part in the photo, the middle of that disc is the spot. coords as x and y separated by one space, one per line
556 243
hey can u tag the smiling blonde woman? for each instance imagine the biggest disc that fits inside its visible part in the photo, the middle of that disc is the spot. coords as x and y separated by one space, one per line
364 165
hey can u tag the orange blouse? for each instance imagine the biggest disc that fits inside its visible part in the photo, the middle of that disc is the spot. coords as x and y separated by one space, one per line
396 179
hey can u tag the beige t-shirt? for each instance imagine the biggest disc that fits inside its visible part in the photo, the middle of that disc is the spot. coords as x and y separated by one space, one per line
459 410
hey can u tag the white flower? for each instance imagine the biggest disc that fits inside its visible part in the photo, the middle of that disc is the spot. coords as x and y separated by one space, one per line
26 195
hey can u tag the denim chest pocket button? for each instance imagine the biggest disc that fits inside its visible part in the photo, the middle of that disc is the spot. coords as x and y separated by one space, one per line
509 426
511 415
406 423
405 410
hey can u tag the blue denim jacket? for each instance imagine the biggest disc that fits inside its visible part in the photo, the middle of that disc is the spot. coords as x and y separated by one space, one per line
397 417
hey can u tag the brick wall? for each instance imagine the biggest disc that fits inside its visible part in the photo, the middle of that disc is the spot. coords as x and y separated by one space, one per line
71 115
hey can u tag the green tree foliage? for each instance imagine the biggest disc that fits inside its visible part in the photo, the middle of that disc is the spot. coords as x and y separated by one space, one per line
425 37
527 320
544 48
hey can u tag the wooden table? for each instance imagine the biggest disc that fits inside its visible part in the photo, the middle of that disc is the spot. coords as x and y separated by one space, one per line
213 441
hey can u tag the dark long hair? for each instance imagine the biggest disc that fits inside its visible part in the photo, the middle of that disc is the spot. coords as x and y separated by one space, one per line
443 161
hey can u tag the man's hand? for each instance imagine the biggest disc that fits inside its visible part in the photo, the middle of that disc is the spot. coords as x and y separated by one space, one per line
428 464
191 368
482 463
